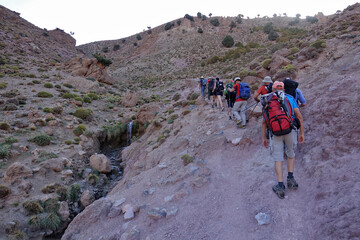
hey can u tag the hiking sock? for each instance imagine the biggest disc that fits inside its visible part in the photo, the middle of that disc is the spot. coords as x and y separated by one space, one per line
281 184
290 175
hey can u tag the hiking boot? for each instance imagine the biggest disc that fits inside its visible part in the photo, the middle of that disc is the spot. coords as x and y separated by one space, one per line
241 126
292 184
279 191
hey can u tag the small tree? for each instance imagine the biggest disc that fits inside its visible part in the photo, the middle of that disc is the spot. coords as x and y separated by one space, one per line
210 14
232 25
199 14
178 22
228 41
268 28
239 18
116 47
187 16
138 37
274 15
215 22
204 17
200 30
169 25
298 15
273 35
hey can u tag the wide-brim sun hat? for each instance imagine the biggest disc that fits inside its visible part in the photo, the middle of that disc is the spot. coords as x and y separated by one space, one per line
267 79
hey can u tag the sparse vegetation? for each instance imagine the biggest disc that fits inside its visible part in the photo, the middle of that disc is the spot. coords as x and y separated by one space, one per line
48 85
33 207
4 191
82 113
215 22
79 130
73 193
318 44
104 61
168 26
187 16
45 95
187 159
228 41
311 19
41 139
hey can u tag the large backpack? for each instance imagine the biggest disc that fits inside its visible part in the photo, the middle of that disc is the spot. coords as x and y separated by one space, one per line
290 87
219 86
228 85
211 84
244 91
203 81
277 113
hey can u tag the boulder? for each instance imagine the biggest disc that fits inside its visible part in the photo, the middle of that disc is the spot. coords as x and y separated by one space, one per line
17 171
283 52
55 164
278 61
63 211
130 99
100 163
82 84
86 198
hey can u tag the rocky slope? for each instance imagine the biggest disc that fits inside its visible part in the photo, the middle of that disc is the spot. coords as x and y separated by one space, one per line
189 173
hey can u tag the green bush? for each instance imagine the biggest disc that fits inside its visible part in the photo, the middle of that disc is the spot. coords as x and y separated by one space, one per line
215 22
4 191
48 85
45 95
57 109
93 96
252 45
200 30
35 221
265 64
268 28
51 205
80 99
41 139
68 85
58 86
10 140
3 85
5 150
79 130
1 75
228 41
288 68
62 193
116 47
294 50
87 99
33 207
69 95
273 35
213 60
174 116
318 44
48 110
82 113
36 81
68 142
4 126
187 159
187 16
73 193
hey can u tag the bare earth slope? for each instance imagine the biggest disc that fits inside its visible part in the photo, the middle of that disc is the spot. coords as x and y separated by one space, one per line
218 196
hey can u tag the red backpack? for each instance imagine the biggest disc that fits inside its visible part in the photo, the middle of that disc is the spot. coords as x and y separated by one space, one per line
277 113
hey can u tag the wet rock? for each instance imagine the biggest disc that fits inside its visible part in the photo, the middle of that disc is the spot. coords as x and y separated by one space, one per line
101 163
17 171
87 198
263 218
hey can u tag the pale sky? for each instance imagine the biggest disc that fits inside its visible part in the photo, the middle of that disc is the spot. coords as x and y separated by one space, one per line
114 19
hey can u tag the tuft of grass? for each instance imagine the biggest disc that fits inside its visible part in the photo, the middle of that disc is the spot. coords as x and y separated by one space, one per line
48 85
187 159
51 221
33 207
79 130
82 113
4 191
4 126
73 193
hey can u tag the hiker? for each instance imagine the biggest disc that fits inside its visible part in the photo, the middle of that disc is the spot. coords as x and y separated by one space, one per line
230 97
281 118
291 87
242 95
202 86
219 90
211 86
265 88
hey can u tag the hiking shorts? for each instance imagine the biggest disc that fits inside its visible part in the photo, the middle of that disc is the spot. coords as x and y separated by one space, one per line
283 144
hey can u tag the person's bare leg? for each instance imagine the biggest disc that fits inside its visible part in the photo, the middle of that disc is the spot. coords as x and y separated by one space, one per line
290 164
279 171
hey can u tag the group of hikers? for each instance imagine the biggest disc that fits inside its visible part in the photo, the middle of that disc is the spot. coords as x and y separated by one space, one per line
282 125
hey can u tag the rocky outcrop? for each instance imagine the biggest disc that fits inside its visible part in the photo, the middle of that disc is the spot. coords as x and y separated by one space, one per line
16 172
130 99
88 68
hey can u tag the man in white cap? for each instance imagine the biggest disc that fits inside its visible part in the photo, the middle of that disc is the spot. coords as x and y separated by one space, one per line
264 89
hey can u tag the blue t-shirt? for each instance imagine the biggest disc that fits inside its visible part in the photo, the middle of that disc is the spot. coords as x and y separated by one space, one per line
300 97
292 103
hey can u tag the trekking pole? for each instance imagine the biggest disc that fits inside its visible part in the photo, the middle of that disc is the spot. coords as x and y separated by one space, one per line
252 111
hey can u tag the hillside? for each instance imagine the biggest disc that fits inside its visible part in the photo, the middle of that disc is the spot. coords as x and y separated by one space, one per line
188 173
